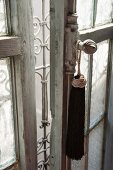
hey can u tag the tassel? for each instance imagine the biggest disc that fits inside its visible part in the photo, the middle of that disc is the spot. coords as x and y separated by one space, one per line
76 118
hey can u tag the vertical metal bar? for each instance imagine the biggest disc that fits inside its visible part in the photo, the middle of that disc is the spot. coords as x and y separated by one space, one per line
89 89
95 2
66 163
64 122
44 82
44 88
69 78
109 72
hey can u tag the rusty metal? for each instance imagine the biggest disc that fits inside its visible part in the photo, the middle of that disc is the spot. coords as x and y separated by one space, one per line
71 37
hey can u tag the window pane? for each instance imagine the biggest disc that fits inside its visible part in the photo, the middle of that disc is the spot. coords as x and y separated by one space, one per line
2 17
100 59
85 13
95 147
7 142
104 12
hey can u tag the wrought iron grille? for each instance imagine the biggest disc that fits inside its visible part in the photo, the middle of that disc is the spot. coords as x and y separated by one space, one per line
42 69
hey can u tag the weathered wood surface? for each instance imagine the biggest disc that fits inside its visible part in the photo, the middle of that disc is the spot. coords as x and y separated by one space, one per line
21 25
56 61
98 34
10 46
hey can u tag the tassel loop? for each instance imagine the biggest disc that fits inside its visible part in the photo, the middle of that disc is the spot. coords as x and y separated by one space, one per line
80 82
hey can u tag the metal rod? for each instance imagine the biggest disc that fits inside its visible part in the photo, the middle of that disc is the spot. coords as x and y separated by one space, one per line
89 86
44 109
69 78
109 73
42 67
44 87
95 2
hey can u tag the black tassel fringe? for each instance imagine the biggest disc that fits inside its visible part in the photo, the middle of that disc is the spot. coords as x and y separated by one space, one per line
76 120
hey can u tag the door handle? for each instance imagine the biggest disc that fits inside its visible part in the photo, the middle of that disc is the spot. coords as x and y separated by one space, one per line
73 44
88 46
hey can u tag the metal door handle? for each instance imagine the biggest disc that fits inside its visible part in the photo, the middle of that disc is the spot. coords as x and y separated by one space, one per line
88 46
72 44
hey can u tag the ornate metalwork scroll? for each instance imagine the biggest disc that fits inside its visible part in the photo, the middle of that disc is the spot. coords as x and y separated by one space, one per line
41 45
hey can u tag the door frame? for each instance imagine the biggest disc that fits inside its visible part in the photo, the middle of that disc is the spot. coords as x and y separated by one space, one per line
56 80
18 45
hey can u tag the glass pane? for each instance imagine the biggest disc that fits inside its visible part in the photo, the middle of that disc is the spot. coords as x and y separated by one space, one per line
104 12
95 147
84 71
100 59
84 64
2 17
85 13
7 142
